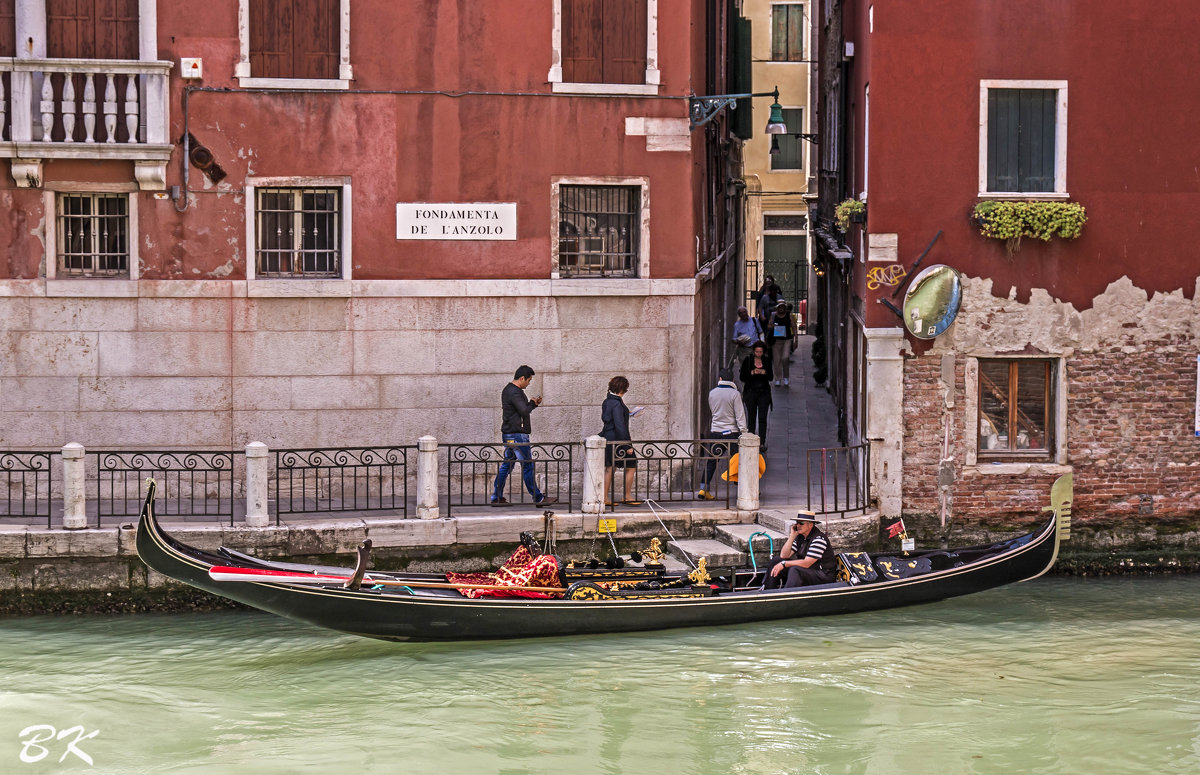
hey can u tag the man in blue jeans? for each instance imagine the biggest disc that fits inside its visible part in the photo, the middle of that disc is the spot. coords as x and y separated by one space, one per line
515 432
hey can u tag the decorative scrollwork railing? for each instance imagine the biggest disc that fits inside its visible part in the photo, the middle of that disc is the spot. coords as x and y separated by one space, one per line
341 479
671 471
25 484
190 483
838 479
472 469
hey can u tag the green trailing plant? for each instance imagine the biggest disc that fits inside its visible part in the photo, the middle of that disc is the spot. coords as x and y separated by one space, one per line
846 210
1011 221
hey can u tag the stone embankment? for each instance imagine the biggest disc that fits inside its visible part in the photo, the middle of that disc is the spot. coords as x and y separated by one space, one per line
55 571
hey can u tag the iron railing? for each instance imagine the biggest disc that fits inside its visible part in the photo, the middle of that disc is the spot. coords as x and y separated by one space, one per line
193 484
308 481
671 471
25 484
471 471
838 479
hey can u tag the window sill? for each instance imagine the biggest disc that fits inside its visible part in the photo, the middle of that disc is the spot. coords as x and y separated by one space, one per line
294 83
1022 196
298 287
1013 468
92 287
635 89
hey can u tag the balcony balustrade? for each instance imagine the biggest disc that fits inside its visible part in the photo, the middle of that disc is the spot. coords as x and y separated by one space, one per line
84 109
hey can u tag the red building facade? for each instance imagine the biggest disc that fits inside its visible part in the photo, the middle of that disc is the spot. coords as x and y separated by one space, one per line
1068 355
324 222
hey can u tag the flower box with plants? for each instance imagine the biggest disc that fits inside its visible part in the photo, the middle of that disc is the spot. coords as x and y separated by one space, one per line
849 211
1010 221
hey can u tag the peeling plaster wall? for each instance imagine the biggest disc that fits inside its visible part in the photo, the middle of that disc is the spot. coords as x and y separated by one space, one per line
1127 404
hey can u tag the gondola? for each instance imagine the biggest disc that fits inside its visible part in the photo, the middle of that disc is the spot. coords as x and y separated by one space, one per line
427 607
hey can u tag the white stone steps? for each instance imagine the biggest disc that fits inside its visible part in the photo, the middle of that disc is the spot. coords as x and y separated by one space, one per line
719 554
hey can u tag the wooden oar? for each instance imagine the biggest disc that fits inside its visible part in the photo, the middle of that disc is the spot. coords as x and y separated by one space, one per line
226 573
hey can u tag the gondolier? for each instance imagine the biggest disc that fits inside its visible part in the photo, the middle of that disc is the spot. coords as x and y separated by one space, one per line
805 558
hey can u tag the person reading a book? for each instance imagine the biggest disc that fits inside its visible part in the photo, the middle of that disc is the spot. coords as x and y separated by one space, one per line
615 416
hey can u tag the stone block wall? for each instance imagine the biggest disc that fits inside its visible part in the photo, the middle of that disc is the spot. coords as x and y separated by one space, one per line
216 364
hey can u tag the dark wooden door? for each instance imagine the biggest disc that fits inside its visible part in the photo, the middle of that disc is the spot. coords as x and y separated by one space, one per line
294 38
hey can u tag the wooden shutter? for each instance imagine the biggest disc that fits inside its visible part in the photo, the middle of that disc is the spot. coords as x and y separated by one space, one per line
582 37
624 41
791 149
1021 138
92 29
271 39
315 45
8 29
787 33
1035 166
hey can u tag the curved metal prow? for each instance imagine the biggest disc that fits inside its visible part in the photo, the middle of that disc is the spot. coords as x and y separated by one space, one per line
360 566
1061 494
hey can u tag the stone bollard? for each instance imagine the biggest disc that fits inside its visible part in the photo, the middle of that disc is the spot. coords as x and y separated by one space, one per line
427 478
257 470
747 496
593 474
74 487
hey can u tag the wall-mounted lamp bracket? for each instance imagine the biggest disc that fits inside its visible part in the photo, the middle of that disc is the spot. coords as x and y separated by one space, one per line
701 110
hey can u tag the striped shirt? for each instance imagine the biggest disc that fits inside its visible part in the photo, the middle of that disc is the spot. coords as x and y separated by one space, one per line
816 549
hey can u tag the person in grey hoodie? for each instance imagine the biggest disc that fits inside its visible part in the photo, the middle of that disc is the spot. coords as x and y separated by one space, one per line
728 422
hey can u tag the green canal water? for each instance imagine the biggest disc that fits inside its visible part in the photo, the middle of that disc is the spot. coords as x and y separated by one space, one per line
1052 676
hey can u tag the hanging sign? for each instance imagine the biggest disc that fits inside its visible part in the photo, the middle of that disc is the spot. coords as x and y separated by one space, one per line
456 220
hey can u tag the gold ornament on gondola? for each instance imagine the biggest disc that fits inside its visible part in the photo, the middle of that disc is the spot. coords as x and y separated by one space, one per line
654 553
700 575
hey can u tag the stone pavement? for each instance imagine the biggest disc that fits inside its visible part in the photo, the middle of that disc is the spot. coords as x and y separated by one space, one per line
803 417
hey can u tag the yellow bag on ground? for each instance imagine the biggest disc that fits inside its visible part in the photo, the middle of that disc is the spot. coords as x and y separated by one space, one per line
731 474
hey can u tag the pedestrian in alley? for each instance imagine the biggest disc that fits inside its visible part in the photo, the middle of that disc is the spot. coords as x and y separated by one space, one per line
767 284
515 430
756 390
728 422
767 304
746 331
781 336
619 457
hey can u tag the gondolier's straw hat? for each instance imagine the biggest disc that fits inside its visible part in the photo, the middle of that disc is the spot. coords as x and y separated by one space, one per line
805 515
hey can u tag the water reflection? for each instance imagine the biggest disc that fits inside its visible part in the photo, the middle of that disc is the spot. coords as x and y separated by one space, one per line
1050 676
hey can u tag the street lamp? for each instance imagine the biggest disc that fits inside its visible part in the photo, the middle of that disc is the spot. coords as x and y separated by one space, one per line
701 110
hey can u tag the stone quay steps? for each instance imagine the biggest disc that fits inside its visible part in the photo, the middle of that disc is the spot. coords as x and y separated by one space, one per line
719 554
739 536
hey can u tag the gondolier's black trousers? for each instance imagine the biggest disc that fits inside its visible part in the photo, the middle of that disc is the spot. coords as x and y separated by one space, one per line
795 577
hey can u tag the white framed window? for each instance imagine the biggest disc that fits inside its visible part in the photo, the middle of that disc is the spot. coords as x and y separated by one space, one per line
1016 409
1022 139
605 47
603 227
94 234
294 44
298 228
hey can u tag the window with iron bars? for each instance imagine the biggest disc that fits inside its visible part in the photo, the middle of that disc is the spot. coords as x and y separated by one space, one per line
598 230
299 232
93 235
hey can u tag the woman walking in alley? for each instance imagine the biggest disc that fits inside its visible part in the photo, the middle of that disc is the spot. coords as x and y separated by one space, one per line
756 376
781 335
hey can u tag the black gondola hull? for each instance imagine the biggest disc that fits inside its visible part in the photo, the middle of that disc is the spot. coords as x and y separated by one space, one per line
392 616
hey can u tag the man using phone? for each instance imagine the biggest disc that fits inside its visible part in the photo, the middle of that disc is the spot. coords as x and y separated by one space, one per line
805 558
515 431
